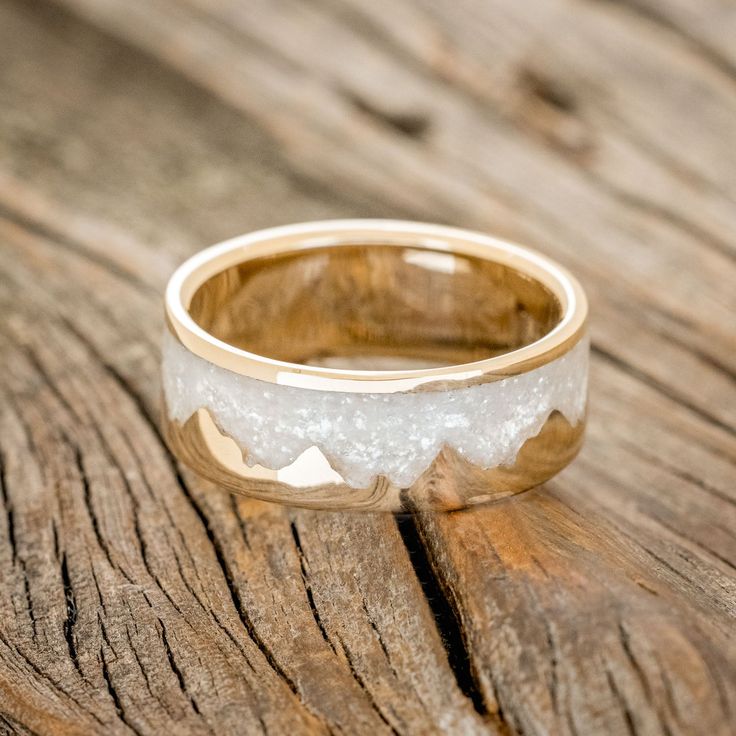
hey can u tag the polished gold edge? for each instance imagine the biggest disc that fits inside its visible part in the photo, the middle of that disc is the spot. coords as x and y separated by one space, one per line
451 481
194 272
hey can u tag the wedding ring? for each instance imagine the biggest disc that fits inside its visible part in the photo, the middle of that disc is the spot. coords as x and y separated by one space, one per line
374 364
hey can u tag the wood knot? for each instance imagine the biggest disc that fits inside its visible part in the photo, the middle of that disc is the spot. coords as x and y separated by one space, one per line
551 110
413 124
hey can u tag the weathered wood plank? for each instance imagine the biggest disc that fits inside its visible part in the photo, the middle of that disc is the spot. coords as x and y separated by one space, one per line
138 599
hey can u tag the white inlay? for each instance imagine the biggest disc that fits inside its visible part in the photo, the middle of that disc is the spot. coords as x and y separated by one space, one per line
365 435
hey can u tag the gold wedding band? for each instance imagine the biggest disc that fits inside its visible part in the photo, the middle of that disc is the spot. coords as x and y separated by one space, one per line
374 364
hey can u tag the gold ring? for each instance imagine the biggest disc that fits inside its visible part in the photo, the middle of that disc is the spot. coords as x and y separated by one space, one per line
374 364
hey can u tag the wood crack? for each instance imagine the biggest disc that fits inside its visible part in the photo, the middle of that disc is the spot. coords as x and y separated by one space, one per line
677 531
87 497
45 677
660 388
17 560
308 586
47 233
554 685
48 380
363 686
141 668
683 475
628 651
71 615
666 564
8 508
664 214
29 600
669 694
175 668
412 125
241 522
233 590
445 616
710 360
112 692
626 712
380 638
701 49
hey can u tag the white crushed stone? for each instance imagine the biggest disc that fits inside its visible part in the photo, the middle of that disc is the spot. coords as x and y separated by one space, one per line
364 435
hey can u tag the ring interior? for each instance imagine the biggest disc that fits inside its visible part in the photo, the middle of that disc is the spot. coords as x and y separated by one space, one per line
375 307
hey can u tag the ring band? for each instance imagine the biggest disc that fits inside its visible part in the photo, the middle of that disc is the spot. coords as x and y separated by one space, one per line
374 364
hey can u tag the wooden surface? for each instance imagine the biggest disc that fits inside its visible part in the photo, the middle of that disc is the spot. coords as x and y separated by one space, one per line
136 599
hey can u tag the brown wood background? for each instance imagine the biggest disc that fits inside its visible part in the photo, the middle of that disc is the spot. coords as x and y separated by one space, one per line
134 599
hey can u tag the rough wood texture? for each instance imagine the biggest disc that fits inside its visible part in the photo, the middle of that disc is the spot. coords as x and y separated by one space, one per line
135 599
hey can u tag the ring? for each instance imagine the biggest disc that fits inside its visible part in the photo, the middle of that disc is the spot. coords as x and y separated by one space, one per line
374 364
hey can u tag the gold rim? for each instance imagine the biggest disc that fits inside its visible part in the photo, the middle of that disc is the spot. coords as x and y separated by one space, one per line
304 237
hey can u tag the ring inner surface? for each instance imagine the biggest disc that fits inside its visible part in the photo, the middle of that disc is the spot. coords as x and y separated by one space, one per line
375 307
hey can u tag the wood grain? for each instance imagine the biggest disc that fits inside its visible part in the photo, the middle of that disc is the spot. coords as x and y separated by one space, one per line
137 599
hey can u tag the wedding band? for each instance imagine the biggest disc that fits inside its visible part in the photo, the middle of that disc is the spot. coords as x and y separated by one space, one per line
374 364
